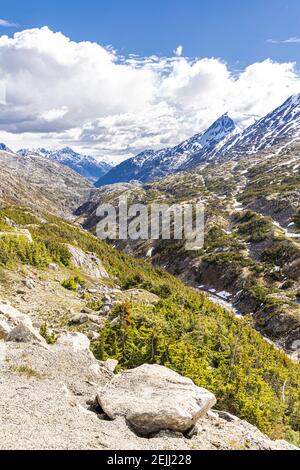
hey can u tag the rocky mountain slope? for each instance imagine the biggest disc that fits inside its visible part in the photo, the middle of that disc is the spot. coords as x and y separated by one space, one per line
86 166
151 165
221 140
36 181
279 127
61 287
252 237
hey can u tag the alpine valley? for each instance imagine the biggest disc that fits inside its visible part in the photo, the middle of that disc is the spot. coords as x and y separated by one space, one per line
213 335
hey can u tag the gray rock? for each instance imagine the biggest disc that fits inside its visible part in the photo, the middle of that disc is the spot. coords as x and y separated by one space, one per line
110 364
93 335
153 398
5 329
80 319
53 266
29 283
106 310
25 334
88 262
13 315
95 319
75 342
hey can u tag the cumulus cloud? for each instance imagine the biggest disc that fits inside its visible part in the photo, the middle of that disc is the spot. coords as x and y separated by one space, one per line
79 93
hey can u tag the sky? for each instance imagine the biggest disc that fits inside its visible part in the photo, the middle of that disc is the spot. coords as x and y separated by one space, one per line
111 78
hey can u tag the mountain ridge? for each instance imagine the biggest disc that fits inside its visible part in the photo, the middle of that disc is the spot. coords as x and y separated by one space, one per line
221 140
85 165
150 164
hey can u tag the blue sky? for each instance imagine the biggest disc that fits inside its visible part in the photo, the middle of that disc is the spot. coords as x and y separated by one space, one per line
235 30
69 74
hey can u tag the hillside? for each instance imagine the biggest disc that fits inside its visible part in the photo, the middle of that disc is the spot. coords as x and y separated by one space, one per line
160 319
252 242
84 165
36 181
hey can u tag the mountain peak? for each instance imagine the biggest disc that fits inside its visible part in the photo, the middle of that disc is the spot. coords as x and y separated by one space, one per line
4 148
150 164
279 127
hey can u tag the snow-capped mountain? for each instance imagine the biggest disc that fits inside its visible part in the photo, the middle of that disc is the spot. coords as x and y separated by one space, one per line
86 166
150 164
279 127
4 148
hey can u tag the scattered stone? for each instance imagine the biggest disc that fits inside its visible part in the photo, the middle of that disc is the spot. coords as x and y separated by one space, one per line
93 335
92 291
25 334
80 319
29 283
53 266
95 319
88 311
75 341
153 398
21 292
105 310
107 299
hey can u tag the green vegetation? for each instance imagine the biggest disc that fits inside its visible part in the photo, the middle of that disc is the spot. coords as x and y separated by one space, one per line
26 371
254 227
188 334
281 253
95 305
73 283
45 333
184 330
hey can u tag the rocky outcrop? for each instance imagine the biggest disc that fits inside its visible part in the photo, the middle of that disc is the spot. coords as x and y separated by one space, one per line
153 398
13 316
26 334
88 262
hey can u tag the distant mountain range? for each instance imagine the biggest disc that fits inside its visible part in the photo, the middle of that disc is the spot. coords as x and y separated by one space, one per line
222 138
86 166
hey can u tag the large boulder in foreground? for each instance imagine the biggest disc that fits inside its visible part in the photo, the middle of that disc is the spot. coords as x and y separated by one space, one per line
153 398
88 262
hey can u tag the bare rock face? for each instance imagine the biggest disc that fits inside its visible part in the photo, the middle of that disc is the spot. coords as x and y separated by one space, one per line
88 262
13 316
153 398
25 334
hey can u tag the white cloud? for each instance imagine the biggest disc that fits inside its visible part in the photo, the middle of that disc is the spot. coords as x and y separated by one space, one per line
7 24
60 92
179 51
293 40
